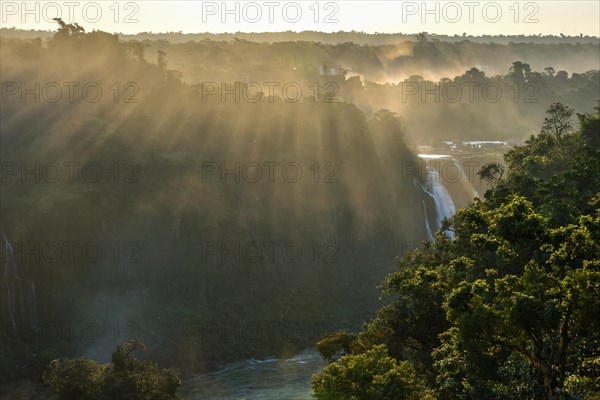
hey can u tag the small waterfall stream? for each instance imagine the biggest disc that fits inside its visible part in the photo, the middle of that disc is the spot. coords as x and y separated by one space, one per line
34 314
10 275
16 287
427 224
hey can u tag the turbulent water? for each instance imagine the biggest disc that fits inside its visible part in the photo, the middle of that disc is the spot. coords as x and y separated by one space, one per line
271 379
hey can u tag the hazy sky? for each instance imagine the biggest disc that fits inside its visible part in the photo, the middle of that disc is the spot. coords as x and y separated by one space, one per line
446 17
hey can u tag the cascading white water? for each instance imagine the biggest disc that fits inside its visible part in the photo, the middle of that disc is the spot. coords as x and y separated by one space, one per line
444 206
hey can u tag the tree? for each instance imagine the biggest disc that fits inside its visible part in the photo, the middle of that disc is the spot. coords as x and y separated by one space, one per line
372 375
162 60
491 172
77 379
134 379
508 308
519 71
558 123
124 378
335 344
590 128
550 71
68 30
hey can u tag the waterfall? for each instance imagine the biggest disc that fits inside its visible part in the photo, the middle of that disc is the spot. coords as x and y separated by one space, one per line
34 315
427 226
10 265
444 205
15 285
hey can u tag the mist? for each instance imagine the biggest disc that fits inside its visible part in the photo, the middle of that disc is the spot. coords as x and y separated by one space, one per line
241 196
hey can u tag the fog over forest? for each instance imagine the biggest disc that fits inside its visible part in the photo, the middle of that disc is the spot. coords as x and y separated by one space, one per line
295 215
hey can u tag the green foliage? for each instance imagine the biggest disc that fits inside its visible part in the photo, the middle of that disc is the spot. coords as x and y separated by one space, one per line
590 128
77 379
558 173
491 172
372 375
68 30
586 386
125 378
510 307
558 123
524 262
335 344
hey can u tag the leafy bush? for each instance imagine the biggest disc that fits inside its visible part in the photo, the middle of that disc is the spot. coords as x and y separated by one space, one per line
124 378
372 375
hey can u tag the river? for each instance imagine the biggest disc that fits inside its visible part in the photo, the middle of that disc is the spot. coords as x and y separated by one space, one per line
289 379
270 379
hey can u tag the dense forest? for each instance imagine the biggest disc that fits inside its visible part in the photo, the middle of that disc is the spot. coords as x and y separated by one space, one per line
362 38
443 89
467 88
148 192
179 254
508 308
